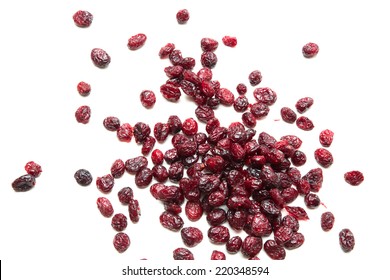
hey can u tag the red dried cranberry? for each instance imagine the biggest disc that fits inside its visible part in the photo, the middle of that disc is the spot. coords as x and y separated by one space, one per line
265 95
291 222
208 59
33 168
229 41
260 225
217 256
173 71
190 127
241 89
182 16
251 246
176 171
310 50
241 104
83 88
121 242
105 207
141 131
288 115
119 222
293 140
182 254
297 212
327 221
296 241
175 57
157 157
304 104
134 210
208 44
171 221
161 131
172 207
326 137
125 195
188 63
111 123
234 244
117 168
347 240
125 132
298 158
160 173
133 165
255 78
166 50
218 234
216 217
83 114
136 41
83 18
83 177
274 250
193 210
248 119
171 156
205 74
23 183
312 200
314 177
148 98
290 194
204 113
283 234
105 183
100 58
191 236
174 124
323 157
354 178
170 92
143 177
259 110
148 145
304 123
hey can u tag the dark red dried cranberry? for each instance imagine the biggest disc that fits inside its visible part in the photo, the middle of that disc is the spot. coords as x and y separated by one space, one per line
291 222
204 113
327 221
157 157
143 177
119 222
315 179
190 127
208 59
161 131
288 115
241 89
193 210
125 195
133 165
121 242
188 63
265 95
83 88
205 74
176 171
100 58
105 183
170 92
310 50
173 71
304 104
208 44
83 177
323 157
117 168
148 145
312 200
304 123
171 221
347 240
105 207
175 57
260 225
33 168
216 217
148 98
255 77
217 256
354 177
174 124
134 210
298 158
241 104
259 110
229 41
171 156
191 236
125 132
182 254
251 246
234 244
160 173
296 241
293 140
297 212
141 131
274 250
83 114
326 137
218 234
111 123
182 16
83 18
248 119
23 183
136 41
166 50
283 234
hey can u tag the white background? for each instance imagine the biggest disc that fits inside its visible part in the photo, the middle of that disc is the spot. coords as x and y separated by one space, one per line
55 231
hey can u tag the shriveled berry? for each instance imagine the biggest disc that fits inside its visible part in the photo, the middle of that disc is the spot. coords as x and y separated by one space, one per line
241 89
283 234
248 119
157 157
298 158
234 244
33 168
182 16
293 140
312 200
100 58
83 177
83 88
170 92
288 115
190 127
23 183
119 222
304 123
216 217
274 250
229 41
208 44
208 59
83 114
121 242
171 221
217 255
193 210
251 246
188 63
259 110
241 104
141 131
105 207
347 240
310 50
125 132
296 241
134 210
105 183
260 225
148 98
204 113
143 177
327 221
174 124
136 41
291 222
191 236
117 168
161 131
326 137
175 57
304 104
323 157
160 173
148 145
255 78
83 18
166 50
218 234
176 171
133 165
265 95
297 212
354 178
182 254
111 123
315 178
125 195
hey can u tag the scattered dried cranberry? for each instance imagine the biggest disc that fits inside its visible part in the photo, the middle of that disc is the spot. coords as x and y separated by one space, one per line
234 244
121 242
105 207
143 177
105 183
182 16
326 137
255 78
119 222
161 131
327 221
217 255
33 168
83 88
274 250
354 178
347 240
241 89
182 254
312 200
83 177
225 96
111 123
100 58
304 123
248 119
118 168
171 221
265 95
148 98
125 195
208 59
83 18
218 234
23 183
83 114
148 145
208 44
298 158
288 115
170 92
136 41
296 241
229 41
191 236
193 210
190 127
310 50
134 210
297 212
304 104
251 246
166 50
125 132
323 157
133 165
259 110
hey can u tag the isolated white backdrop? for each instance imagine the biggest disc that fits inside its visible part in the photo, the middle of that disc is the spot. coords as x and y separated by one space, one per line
55 230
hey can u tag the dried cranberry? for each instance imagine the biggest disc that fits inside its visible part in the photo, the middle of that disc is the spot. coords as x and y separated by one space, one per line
23 183
171 156
326 137
83 177
288 115
260 225
283 234
255 77
141 131
217 255
259 110
204 113
125 132
133 165
33 168
174 124
148 145
354 178
208 59
216 217
161 131
265 95
175 57
121 242
117 168
100 58
119 222
176 171
160 173
182 254
148 98
218 234
136 41
229 41
293 140
296 241
134 210
188 63
193 210
208 44
166 50
83 88
298 158
297 212
249 120
323 157
312 200
347 240
105 183
274 250
234 244
191 236
190 127
83 18
304 123
125 195
111 123
241 89
291 222
182 16
143 177
241 104
251 246
310 50
83 114
171 221
304 104
170 92
315 178
327 221
105 207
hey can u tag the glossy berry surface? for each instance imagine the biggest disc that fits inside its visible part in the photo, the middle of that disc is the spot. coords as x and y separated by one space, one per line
105 207
347 240
23 183
83 18
119 222
136 41
148 98
83 177
83 88
182 16
100 58
310 50
182 254
354 178
229 41
121 242
327 221
83 114
33 168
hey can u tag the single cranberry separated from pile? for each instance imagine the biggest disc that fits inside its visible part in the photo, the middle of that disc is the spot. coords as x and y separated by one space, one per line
310 50
83 18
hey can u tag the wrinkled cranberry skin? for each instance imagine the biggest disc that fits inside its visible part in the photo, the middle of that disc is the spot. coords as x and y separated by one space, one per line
160 173
147 98
326 137
241 104
83 114
119 222
218 234
251 246
288 115
143 177
190 127
171 221
83 177
148 145
174 124
125 195
255 78
248 119
133 165
170 92
23 183
208 59
259 110
283 234
111 123
229 41
217 256
304 104
176 171
260 226
182 16
241 89
304 123
136 41
125 132
296 241
274 250
157 157
208 44
291 222
105 183
118 168
83 18
193 210
204 113
105 207
323 157
33 168
265 95
347 240
83 88
182 254
327 221
312 200
100 58
297 212
161 131
121 242
315 179
293 140
298 158
134 210
141 131
216 217
191 236
354 178
234 244
310 50
166 50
